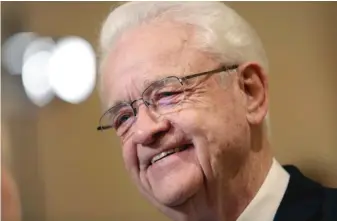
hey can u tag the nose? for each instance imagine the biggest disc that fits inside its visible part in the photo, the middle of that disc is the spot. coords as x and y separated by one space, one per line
148 127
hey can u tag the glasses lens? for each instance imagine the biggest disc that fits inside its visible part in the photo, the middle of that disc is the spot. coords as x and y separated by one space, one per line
119 118
165 95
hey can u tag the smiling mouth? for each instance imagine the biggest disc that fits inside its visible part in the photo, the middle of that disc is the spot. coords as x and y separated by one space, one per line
168 153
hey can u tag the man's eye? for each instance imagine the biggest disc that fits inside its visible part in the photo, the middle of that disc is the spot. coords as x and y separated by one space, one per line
166 94
122 119
168 97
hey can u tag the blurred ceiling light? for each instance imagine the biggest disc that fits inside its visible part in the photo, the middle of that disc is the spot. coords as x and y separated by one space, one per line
66 68
13 50
38 45
35 78
72 69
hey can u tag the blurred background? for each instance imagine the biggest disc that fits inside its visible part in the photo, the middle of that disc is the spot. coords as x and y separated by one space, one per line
67 171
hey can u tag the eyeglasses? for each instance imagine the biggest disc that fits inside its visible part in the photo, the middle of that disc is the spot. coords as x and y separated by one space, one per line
163 97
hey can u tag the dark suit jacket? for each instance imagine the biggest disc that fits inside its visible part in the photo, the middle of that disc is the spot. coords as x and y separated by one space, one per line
306 200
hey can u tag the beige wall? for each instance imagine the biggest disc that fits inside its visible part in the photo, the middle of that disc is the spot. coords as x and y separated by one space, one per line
69 172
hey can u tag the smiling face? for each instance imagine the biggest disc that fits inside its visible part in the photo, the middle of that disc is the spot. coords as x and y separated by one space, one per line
207 138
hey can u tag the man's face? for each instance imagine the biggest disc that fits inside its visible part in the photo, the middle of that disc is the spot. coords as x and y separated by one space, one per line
211 122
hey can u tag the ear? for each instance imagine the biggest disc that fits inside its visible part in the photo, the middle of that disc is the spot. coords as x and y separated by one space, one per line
254 84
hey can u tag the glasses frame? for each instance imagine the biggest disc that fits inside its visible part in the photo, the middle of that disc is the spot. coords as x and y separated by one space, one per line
180 79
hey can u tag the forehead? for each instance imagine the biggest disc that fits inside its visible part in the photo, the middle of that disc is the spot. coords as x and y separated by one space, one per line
147 53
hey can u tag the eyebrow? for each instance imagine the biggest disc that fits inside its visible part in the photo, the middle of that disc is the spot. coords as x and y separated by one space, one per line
147 82
116 103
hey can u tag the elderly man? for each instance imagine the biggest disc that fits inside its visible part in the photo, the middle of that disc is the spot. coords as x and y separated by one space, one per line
184 85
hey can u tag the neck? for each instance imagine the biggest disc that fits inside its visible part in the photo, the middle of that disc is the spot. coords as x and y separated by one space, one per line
238 192
231 195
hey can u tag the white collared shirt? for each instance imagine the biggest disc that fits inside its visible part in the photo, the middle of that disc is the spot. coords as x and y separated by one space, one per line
264 205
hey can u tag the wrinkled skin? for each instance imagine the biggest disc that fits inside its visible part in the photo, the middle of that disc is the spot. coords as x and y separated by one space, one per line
226 163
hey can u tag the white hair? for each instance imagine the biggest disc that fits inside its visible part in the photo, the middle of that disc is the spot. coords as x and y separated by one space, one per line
219 30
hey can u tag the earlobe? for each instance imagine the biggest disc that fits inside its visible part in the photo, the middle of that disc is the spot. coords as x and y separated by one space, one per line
255 87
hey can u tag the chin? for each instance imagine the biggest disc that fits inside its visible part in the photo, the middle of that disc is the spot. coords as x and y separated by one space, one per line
174 198
176 189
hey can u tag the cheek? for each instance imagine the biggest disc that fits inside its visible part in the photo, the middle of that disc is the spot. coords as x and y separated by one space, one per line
200 124
216 127
131 163
130 159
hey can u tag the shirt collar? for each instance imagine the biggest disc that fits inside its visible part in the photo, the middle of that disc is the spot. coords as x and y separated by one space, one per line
264 205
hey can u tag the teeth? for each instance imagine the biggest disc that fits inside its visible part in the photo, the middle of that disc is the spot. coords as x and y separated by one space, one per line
167 153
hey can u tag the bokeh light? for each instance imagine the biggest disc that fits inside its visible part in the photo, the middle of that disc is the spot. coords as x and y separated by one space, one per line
66 68
14 49
35 78
38 45
72 69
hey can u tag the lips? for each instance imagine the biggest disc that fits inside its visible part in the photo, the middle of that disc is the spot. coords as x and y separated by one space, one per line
169 152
